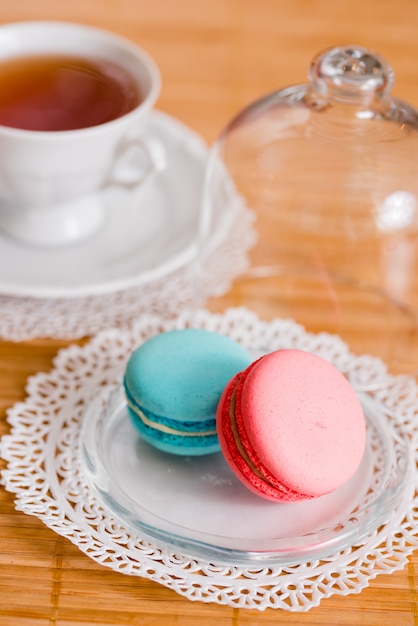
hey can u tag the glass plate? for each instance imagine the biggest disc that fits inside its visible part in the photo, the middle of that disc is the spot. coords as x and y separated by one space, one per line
198 506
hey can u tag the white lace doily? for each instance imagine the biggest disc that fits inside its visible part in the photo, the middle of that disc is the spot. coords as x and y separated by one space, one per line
44 471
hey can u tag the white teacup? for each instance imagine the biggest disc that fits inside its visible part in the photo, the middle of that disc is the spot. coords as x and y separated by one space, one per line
52 181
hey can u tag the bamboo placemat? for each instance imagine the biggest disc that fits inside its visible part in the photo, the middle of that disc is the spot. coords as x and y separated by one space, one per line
215 57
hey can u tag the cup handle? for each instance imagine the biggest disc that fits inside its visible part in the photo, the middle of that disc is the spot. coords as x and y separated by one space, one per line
138 162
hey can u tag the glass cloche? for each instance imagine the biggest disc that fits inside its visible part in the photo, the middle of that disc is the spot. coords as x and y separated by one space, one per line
328 173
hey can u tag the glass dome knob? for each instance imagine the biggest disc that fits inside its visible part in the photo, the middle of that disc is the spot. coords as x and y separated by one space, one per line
350 71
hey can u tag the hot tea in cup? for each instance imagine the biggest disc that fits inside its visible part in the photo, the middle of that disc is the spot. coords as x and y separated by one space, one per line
56 92
73 103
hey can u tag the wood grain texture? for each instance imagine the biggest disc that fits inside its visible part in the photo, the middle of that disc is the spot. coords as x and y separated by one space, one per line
215 57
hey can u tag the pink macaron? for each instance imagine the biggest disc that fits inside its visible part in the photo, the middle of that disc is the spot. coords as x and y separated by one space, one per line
291 426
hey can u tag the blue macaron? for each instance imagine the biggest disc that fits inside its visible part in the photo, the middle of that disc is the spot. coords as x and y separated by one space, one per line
173 383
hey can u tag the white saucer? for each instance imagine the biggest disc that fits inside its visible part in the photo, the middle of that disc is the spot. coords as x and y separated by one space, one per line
139 242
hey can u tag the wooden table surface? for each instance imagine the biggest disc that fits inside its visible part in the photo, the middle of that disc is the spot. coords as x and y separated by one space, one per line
215 57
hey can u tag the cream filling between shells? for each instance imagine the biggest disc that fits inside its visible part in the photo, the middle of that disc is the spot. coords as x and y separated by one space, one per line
167 429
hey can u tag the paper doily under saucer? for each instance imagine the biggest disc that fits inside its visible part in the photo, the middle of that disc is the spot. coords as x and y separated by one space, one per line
45 472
